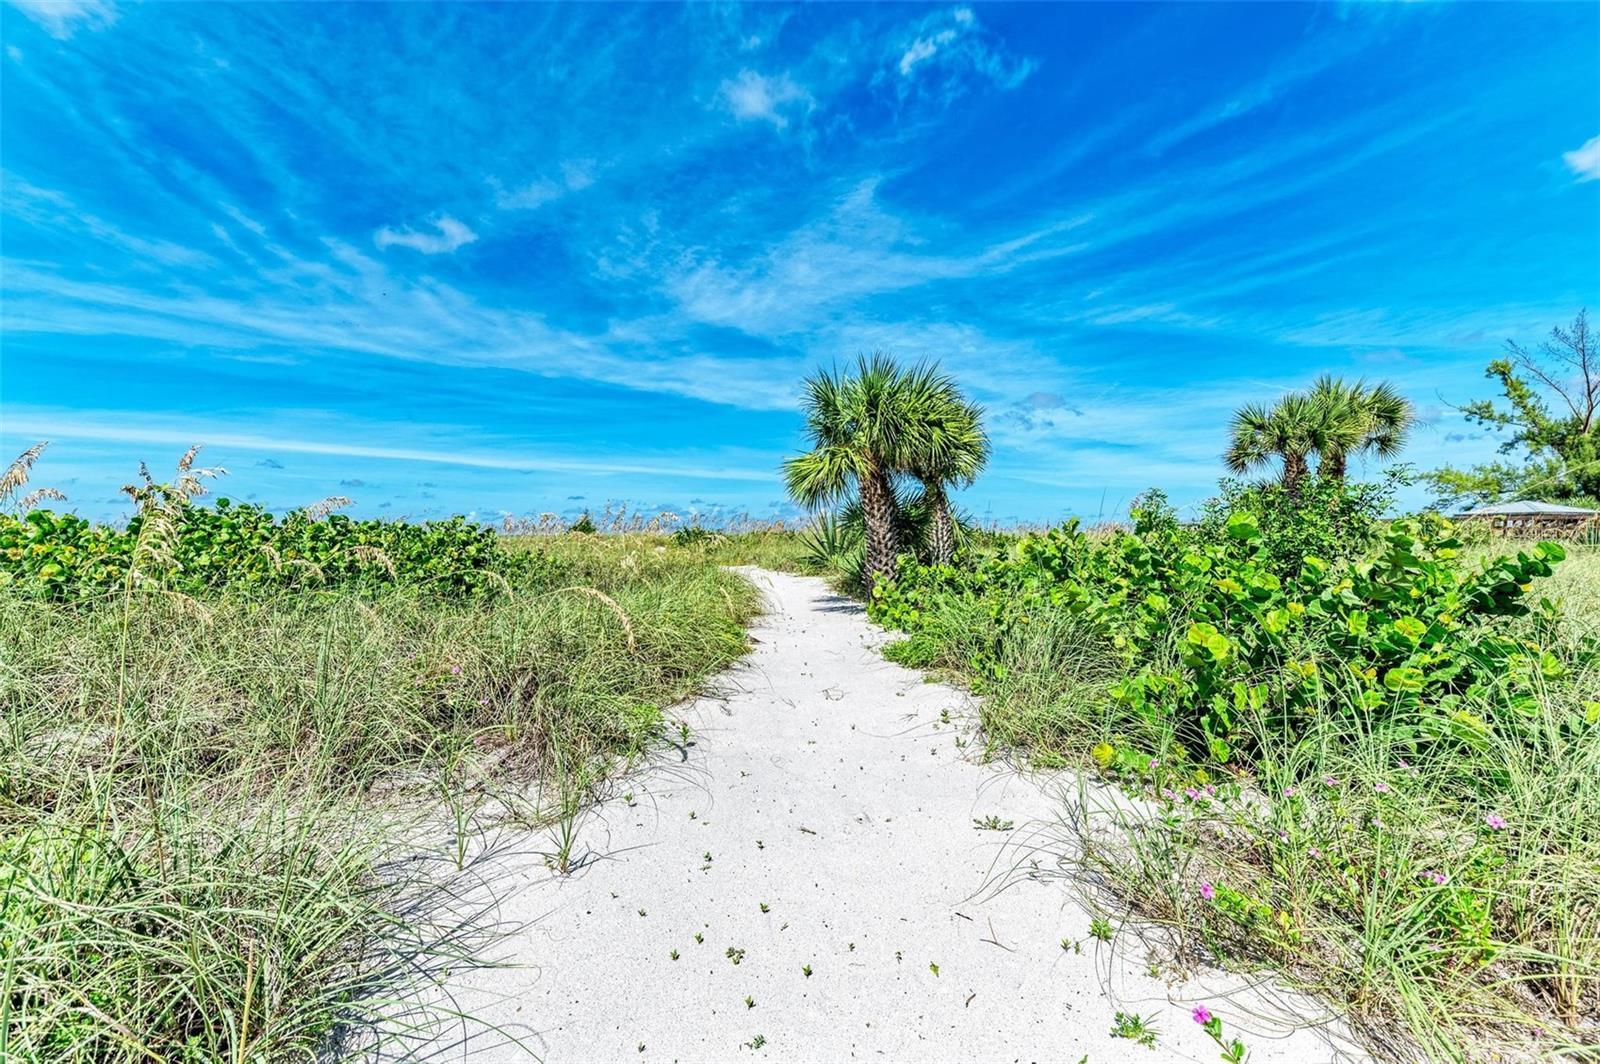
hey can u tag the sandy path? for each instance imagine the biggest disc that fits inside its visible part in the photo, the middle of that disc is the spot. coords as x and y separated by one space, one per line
821 782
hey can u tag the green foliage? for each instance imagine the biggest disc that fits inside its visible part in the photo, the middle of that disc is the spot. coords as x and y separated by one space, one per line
195 549
1334 520
1551 418
1209 634
692 535
583 526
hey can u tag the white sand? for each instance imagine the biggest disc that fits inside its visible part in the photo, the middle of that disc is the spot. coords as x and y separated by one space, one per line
822 782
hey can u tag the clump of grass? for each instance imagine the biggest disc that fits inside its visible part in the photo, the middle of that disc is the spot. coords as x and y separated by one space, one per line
210 811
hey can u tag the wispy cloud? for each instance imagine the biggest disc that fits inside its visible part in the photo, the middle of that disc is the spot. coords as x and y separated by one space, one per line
183 432
448 235
1584 161
948 47
575 176
757 97
61 18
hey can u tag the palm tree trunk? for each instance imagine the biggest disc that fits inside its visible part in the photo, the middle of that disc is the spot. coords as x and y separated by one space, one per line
877 512
941 526
1294 471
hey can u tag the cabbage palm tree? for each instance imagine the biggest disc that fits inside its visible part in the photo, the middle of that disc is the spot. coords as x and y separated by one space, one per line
1292 429
1359 419
864 429
951 449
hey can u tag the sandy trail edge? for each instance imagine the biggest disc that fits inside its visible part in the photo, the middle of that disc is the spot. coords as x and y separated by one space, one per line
824 783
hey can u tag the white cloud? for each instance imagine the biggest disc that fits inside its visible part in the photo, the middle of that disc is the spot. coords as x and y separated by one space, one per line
754 96
1585 162
450 235
576 175
955 42
922 48
528 197
61 17
130 427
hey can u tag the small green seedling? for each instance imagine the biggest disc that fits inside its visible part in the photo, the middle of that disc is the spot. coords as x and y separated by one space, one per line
1135 1028
934 968
765 907
674 954
749 1002
1101 928
735 954
992 823
805 970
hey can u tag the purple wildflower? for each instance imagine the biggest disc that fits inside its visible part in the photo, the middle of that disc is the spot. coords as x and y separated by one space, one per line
1439 878
1208 892
1330 781
1202 1015
1313 852
1495 821
1289 792
455 670
1381 787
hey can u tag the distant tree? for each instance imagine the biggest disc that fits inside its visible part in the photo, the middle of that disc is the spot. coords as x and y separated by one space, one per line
1288 431
949 447
864 429
1552 413
1356 419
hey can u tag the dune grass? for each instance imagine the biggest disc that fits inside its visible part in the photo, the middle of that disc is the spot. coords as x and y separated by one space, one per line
210 810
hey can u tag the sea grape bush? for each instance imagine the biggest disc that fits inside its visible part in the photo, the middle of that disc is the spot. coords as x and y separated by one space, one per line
243 546
1208 632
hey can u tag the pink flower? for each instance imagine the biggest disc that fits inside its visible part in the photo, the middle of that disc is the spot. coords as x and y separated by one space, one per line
1169 794
1191 793
1313 852
1495 821
1381 787
455 670
1208 892
1439 878
1330 781
483 701
1288 792
1404 763
1202 1015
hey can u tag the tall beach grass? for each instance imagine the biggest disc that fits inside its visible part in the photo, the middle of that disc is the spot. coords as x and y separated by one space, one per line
210 811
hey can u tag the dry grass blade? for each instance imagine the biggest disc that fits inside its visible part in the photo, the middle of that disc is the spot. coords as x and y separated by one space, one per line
38 495
374 556
608 601
17 474
318 510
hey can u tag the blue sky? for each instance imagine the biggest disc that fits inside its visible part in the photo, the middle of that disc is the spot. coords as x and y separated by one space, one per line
517 258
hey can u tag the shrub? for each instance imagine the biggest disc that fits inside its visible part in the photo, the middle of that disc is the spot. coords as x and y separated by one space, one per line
1334 520
1208 632
195 549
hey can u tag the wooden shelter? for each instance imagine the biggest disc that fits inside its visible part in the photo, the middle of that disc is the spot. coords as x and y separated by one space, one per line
1525 519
